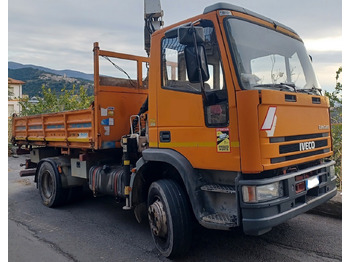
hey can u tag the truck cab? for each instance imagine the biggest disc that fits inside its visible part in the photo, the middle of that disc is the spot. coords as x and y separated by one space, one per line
258 145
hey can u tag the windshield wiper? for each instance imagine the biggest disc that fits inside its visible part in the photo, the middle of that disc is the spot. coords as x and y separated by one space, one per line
290 86
281 86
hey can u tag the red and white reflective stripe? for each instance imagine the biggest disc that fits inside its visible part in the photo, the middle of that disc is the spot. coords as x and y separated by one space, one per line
270 116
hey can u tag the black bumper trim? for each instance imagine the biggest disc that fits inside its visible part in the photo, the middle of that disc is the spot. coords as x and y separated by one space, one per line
259 226
265 181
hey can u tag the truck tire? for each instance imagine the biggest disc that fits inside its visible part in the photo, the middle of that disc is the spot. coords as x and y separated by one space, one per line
170 219
50 188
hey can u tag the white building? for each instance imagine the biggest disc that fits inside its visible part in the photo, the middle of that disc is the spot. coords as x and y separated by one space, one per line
15 94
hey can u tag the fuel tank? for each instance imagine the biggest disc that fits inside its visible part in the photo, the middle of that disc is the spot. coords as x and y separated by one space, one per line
106 180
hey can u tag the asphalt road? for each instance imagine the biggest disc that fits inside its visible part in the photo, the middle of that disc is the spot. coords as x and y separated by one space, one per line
97 229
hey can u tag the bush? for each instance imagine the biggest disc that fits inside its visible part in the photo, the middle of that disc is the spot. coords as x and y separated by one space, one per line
49 102
336 100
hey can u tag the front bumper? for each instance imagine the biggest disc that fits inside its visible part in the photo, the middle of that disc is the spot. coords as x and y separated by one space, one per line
259 218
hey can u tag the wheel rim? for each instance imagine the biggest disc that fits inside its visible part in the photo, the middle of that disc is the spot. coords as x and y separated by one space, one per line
47 184
157 219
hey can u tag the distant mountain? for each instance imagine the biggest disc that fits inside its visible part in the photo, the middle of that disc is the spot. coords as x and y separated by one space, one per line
35 78
68 73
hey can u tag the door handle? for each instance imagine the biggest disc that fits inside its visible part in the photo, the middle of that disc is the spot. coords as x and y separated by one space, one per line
165 136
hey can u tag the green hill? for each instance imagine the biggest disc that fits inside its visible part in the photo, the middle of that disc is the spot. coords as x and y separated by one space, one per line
34 79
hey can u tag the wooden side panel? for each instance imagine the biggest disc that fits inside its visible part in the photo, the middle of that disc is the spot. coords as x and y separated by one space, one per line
71 129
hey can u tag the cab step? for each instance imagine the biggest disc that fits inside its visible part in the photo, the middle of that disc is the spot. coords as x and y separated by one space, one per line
219 188
221 218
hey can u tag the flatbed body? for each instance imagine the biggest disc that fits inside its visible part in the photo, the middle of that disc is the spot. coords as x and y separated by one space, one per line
100 126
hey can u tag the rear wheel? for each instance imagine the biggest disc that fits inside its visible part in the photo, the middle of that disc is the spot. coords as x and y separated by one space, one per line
49 183
170 218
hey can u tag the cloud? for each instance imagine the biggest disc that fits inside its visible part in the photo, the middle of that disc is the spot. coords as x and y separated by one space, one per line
320 57
60 30
325 64
60 34
324 44
326 73
311 18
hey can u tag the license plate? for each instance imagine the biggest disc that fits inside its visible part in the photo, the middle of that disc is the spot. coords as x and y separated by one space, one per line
312 182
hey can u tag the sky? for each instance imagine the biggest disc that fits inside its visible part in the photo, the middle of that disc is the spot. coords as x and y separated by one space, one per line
60 34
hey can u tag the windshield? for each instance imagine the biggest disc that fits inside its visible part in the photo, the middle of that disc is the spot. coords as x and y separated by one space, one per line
266 58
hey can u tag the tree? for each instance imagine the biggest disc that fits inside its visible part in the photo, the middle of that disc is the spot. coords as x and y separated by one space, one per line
335 101
49 102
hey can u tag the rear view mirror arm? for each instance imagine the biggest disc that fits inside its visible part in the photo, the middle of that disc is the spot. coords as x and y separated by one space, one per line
204 96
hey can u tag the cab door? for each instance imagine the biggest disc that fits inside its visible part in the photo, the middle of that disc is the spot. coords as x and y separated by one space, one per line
206 134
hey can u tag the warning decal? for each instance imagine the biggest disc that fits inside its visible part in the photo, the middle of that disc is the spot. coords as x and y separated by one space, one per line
223 140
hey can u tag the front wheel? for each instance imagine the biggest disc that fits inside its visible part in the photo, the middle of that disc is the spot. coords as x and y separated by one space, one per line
170 218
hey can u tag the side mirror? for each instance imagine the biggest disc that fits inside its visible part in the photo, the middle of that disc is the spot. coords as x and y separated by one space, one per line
185 35
192 64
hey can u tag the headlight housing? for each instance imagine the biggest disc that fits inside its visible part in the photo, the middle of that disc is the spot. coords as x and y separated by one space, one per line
254 194
332 171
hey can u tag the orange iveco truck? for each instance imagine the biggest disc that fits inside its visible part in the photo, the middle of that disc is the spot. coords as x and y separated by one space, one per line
225 124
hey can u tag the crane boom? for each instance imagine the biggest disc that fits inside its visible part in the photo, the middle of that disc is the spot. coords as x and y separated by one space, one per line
153 15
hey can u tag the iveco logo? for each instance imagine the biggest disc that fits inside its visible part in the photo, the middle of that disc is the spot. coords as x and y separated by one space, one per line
307 146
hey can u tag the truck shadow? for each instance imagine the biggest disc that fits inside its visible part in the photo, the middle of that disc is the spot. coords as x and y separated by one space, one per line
105 218
207 245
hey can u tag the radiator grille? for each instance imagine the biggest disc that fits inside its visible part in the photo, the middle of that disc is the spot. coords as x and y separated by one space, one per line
297 156
304 145
296 147
298 137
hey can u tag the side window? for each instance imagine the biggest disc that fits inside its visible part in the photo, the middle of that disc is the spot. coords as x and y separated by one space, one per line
174 75
174 67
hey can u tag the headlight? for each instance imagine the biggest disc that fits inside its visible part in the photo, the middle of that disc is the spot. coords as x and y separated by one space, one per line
254 194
